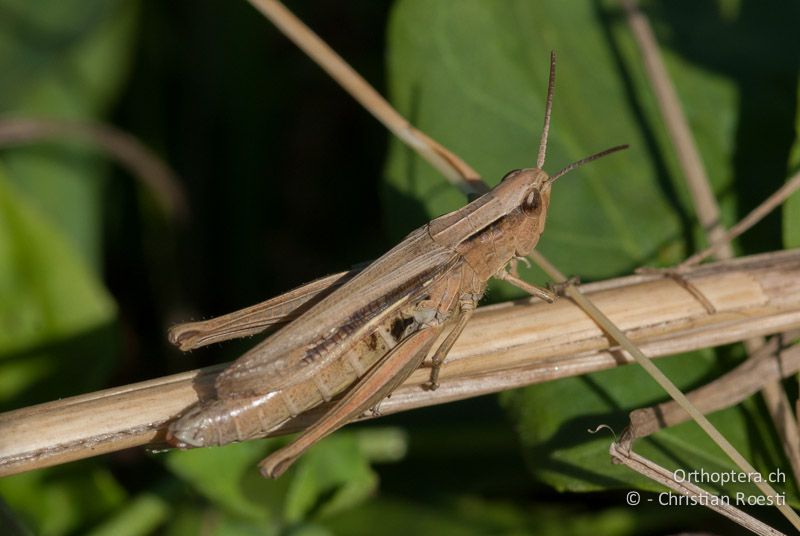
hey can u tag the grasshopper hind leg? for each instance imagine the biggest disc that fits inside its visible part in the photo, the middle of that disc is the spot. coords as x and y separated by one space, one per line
381 380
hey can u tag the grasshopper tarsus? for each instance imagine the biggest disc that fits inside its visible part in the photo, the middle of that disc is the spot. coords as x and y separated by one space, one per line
551 297
558 289
430 386
273 471
375 411
177 337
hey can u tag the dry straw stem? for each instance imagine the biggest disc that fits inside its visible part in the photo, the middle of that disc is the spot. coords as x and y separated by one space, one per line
708 210
140 161
504 346
621 453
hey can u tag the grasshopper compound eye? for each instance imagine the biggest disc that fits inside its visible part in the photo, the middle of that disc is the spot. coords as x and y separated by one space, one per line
532 203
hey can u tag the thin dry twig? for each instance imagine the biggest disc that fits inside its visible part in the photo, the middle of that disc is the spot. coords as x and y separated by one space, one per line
505 346
676 123
756 215
140 161
708 210
621 453
458 172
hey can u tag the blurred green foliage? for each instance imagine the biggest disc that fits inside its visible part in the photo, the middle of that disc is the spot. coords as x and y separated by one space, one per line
283 176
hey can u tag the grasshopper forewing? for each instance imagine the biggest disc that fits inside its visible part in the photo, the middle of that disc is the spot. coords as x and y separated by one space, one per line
257 318
372 331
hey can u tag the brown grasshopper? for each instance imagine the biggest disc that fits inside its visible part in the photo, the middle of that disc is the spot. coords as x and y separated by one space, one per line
366 332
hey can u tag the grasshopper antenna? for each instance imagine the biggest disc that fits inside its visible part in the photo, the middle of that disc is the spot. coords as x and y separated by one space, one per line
547 111
583 161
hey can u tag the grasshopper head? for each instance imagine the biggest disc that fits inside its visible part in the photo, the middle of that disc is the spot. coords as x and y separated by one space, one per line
529 191
526 196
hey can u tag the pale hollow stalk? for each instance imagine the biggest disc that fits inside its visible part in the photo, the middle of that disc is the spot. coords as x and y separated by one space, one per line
504 346
707 208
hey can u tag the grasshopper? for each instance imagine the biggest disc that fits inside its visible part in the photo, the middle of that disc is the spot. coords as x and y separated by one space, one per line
364 332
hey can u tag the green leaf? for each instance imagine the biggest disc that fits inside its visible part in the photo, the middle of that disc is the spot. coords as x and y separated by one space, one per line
332 476
47 291
61 500
228 477
191 520
53 308
791 221
140 516
64 59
